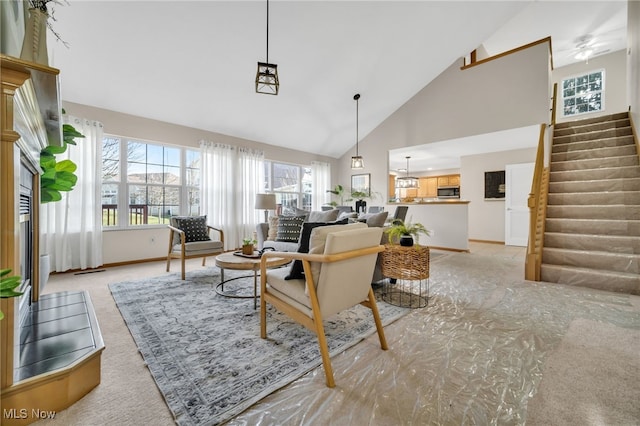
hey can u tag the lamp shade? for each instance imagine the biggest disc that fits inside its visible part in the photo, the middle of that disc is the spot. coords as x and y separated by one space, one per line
266 201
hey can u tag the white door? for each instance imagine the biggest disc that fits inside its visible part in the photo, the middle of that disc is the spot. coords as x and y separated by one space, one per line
518 178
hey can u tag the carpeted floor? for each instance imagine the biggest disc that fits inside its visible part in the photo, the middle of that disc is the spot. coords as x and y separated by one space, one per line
490 348
204 350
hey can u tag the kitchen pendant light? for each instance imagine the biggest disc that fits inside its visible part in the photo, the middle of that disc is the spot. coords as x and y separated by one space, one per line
267 81
356 161
407 181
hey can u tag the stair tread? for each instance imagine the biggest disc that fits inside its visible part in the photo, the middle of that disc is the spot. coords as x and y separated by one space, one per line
605 272
593 252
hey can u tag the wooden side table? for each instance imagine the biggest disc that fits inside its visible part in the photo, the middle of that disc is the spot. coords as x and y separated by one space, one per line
239 263
409 268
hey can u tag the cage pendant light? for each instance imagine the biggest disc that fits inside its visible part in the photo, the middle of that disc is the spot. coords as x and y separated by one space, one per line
407 181
267 81
356 161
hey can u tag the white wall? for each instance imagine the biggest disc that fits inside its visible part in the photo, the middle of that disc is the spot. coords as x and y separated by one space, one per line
615 78
459 103
486 217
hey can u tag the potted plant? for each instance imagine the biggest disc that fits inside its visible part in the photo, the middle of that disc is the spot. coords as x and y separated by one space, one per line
339 191
402 232
8 285
247 245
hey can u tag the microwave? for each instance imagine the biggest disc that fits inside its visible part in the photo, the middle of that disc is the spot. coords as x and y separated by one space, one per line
449 192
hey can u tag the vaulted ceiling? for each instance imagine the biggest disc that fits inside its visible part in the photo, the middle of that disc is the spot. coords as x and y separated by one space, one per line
193 63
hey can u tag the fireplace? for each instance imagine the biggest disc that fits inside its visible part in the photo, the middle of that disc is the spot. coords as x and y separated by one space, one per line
26 215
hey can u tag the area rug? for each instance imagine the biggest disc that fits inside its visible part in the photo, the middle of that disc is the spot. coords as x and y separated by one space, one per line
205 352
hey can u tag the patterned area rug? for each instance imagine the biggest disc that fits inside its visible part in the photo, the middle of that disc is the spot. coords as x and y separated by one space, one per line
205 352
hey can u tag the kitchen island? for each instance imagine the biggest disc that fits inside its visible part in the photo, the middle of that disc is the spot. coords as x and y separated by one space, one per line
446 219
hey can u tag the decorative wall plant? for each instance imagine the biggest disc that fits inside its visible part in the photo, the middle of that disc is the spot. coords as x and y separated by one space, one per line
58 176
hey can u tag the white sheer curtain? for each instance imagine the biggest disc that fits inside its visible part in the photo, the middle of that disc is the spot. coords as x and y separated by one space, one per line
320 183
71 229
231 178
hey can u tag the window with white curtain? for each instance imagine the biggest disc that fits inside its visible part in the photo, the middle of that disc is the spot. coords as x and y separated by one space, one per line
145 183
291 183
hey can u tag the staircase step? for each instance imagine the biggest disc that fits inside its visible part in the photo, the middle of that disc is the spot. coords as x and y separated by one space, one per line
595 174
609 211
591 278
581 127
593 226
586 154
589 136
596 143
595 163
601 260
594 198
600 119
629 184
610 243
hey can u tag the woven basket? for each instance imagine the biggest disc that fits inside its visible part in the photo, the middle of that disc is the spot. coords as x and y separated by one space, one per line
405 263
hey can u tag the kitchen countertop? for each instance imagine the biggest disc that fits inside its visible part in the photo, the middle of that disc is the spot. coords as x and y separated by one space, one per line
431 201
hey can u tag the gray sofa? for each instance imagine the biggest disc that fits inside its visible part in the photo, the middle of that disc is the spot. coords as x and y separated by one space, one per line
371 219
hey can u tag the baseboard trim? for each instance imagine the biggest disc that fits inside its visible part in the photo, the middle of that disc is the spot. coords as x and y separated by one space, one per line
449 249
487 242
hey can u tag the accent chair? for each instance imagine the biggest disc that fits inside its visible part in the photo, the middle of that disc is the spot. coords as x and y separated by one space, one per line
190 237
337 275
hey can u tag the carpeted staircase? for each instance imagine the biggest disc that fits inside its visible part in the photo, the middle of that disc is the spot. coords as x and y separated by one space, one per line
592 229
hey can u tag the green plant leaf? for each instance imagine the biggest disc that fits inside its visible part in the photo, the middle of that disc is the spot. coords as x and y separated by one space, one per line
53 150
66 166
48 195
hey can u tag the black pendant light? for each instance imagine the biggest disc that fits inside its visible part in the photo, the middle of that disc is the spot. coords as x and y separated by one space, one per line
267 81
407 181
356 161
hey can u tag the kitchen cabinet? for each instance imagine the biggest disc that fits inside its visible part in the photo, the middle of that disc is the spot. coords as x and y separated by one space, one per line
449 180
428 187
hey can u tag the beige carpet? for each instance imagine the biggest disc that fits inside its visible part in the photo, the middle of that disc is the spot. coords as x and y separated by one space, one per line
591 378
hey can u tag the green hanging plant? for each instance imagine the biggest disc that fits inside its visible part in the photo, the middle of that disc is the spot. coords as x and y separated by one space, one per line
8 285
57 176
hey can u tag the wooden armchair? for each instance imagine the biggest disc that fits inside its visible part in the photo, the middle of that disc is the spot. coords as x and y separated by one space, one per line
190 237
337 276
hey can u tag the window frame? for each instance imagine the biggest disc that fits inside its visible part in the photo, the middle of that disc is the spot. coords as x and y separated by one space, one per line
300 184
576 95
123 184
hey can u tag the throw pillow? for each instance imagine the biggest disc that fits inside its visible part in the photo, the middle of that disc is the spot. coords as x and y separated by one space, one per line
297 270
373 219
294 211
348 215
324 216
273 228
289 228
195 228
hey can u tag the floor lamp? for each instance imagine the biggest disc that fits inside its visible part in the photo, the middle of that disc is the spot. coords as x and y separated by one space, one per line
266 202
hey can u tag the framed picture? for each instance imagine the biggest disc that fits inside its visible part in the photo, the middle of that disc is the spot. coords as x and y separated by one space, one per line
361 184
494 186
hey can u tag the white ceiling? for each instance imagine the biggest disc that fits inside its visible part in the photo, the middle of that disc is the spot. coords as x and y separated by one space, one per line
193 63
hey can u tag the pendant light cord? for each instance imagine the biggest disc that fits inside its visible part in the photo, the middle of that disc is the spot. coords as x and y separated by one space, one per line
357 98
267 31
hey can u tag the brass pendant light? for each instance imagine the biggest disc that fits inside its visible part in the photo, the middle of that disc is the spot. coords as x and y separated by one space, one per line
267 81
407 181
356 161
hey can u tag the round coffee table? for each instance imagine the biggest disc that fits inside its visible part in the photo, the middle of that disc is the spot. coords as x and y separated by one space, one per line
240 263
